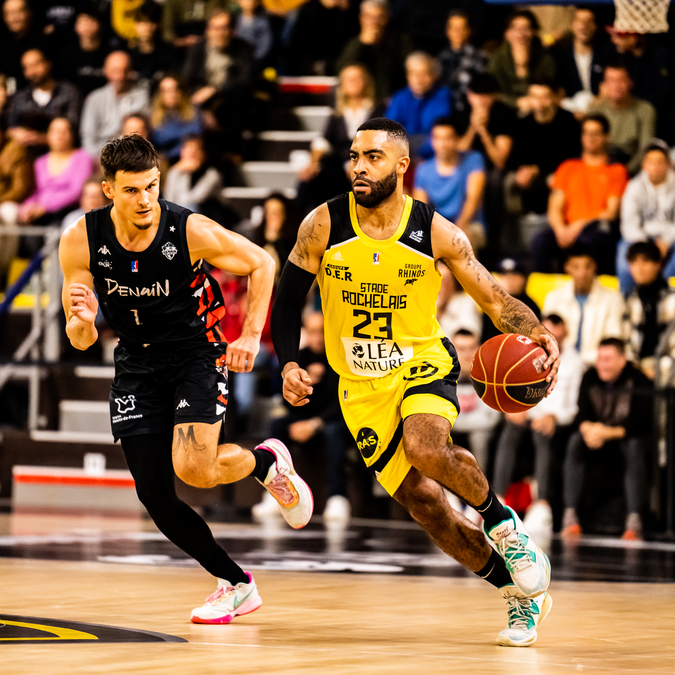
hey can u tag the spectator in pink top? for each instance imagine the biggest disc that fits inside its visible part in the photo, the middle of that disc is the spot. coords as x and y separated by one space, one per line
59 177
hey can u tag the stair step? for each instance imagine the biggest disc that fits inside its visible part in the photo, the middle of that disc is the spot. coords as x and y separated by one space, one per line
274 175
84 416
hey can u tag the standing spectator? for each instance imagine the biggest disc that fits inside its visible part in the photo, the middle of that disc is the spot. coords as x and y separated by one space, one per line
421 102
648 211
82 61
460 59
105 108
219 73
173 117
650 308
547 422
453 182
151 57
615 415
20 33
591 311
254 26
544 139
59 177
354 104
585 199
580 62
320 32
520 59
513 277
632 121
379 47
44 99
183 21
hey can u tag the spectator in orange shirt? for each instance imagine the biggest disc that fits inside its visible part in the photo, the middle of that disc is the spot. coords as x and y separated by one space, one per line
585 199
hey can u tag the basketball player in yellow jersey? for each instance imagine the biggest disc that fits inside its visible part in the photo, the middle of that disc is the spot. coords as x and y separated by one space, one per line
376 254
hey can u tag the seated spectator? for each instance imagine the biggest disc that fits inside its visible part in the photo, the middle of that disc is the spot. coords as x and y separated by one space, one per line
456 309
320 32
648 211
421 102
580 62
135 123
632 121
475 427
544 139
105 108
317 424
82 60
277 231
59 177
460 59
585 199
173 118
219 73
650 308
151 57
20 34
92 197
513 278
183 21
453 182
547 422
44 99
615 416
591 311
253 25
520 59
354 104
380 48
4 101
192 183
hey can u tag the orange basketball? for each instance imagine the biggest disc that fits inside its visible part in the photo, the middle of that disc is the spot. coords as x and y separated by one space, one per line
508 373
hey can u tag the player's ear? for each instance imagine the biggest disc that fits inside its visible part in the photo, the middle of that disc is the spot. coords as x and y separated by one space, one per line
107 189
402 165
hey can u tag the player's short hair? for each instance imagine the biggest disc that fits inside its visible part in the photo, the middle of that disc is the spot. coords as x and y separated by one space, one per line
132 154
446 121
615 342
394 130
555 319
646 249
599 118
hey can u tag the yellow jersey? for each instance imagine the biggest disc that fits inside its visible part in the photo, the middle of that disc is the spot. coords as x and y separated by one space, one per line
378 296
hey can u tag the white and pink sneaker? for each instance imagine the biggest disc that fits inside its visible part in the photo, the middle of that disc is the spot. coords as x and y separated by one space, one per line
227 602
295 499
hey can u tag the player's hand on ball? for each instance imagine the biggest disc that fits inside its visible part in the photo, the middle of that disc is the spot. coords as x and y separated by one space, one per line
83 302
241 354
548 342
297 385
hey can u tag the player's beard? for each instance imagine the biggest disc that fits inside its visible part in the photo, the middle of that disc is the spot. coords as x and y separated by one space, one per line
379 190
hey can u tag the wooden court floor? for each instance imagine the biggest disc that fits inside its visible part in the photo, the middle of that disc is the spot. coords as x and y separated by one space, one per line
330 624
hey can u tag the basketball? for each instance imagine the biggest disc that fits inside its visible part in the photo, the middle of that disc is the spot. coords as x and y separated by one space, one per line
508 373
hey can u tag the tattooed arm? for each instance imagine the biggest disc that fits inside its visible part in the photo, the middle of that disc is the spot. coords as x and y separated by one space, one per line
451 246
312 240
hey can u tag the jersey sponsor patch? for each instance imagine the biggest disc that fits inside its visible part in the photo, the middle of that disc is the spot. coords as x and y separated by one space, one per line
417 236
375 358
367 441
169 250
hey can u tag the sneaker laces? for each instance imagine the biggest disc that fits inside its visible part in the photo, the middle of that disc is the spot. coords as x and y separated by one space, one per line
221 593
281 488
514 552
520 611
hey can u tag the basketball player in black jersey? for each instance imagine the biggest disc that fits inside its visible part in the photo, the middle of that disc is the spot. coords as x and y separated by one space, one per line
141 260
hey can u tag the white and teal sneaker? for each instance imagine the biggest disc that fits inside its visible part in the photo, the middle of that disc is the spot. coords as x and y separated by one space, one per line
525 614
227 602
528 565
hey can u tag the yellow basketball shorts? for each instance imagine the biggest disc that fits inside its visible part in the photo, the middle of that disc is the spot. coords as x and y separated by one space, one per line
375 409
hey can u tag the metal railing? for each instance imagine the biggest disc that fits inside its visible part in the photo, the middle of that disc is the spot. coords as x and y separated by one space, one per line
42 344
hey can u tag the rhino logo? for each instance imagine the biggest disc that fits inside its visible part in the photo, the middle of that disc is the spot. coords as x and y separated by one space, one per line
410 282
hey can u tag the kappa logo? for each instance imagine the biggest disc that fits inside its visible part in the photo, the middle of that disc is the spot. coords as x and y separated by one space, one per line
126 404
104 250
169 250
183 404
336 256
367 441
417 236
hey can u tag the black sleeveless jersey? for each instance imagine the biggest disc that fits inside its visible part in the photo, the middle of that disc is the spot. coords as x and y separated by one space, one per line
155 296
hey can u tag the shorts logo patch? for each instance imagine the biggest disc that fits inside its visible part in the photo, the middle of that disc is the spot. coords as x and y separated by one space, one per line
420 372
221 364
183 404
367 441
169 250
126 404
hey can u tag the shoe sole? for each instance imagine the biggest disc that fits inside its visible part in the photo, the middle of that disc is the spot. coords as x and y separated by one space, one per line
242 610
545 609
277 446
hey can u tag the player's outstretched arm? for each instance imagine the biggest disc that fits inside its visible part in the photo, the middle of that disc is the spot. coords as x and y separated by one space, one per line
451 246
296 280
79 300
233 253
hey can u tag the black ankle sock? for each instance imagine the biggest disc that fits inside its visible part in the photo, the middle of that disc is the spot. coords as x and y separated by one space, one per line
263 461
495 571
492 510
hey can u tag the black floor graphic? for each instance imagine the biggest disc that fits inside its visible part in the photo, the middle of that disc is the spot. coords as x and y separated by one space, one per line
33 630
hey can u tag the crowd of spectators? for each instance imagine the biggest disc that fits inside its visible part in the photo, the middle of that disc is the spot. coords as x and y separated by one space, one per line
548 146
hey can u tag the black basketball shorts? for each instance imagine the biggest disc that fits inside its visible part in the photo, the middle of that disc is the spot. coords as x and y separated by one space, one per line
156 388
